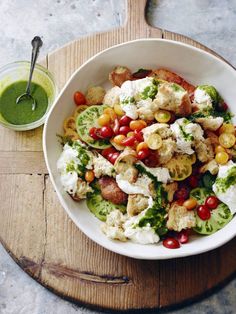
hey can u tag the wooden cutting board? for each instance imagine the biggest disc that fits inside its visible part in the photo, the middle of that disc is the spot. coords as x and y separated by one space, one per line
42 239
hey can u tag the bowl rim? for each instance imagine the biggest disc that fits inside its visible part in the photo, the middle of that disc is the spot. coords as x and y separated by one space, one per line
172 253
39 67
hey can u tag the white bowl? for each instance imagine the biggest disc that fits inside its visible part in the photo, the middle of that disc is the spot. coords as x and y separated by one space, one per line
196 66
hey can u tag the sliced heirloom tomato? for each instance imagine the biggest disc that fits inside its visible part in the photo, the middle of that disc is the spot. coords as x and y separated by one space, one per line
85 121
100 207
219 217
180 167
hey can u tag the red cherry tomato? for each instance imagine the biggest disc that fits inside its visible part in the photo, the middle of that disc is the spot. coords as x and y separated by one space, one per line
116 126
180 202
151 160
193 181
124 130
212 202
171 243
203 212
112 157
79 98
93 133
125 120
107 151
183 236
138 135
143 153
106 131
129 141
182 193
225 106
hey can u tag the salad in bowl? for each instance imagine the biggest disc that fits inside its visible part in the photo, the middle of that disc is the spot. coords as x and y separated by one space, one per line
153 156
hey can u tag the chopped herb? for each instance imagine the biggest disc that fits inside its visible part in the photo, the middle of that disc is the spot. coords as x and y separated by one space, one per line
177 87
82 153
64 140
149 92
155 216
128 100
213 93
226 115
222 184
187 136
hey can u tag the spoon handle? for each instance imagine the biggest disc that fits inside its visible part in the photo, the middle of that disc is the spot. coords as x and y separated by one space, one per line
36 44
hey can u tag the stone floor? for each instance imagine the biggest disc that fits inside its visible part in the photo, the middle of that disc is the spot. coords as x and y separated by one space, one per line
212 22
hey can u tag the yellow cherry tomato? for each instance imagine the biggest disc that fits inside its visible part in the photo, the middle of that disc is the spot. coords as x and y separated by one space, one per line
118 139
154 141
89 175
104 119
118 110
227 128
111 113
141 146
131 133
222 158
162 116
227 140
137 125
72 134
190 204
219 149
69 123
79 109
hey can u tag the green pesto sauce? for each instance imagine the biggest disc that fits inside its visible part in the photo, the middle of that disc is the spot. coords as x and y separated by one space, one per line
83 158
149 92
187 136
223 184
155 216
22 112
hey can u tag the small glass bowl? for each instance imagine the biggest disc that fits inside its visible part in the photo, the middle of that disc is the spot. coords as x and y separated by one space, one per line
19 71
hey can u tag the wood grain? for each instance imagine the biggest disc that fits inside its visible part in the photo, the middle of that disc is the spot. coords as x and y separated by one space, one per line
42 239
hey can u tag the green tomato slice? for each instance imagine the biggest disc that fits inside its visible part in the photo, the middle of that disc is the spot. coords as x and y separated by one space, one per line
219 216
100 207
85 121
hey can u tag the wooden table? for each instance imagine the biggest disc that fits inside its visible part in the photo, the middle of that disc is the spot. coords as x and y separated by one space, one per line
42 239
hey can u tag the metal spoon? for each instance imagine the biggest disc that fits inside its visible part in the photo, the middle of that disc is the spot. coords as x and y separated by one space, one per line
36 44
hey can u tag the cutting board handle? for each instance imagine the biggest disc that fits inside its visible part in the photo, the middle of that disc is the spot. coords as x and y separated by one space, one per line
135 13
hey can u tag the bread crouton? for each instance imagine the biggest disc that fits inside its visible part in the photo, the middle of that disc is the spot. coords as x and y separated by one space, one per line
169 76
112 96
210 123
211 166
119 75
95 95
136 204
204 150
167 150
172 98
124 164
170 189
113 227
180 218
162 129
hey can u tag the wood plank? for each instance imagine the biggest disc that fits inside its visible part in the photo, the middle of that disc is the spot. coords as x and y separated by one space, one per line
22 223
22 162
